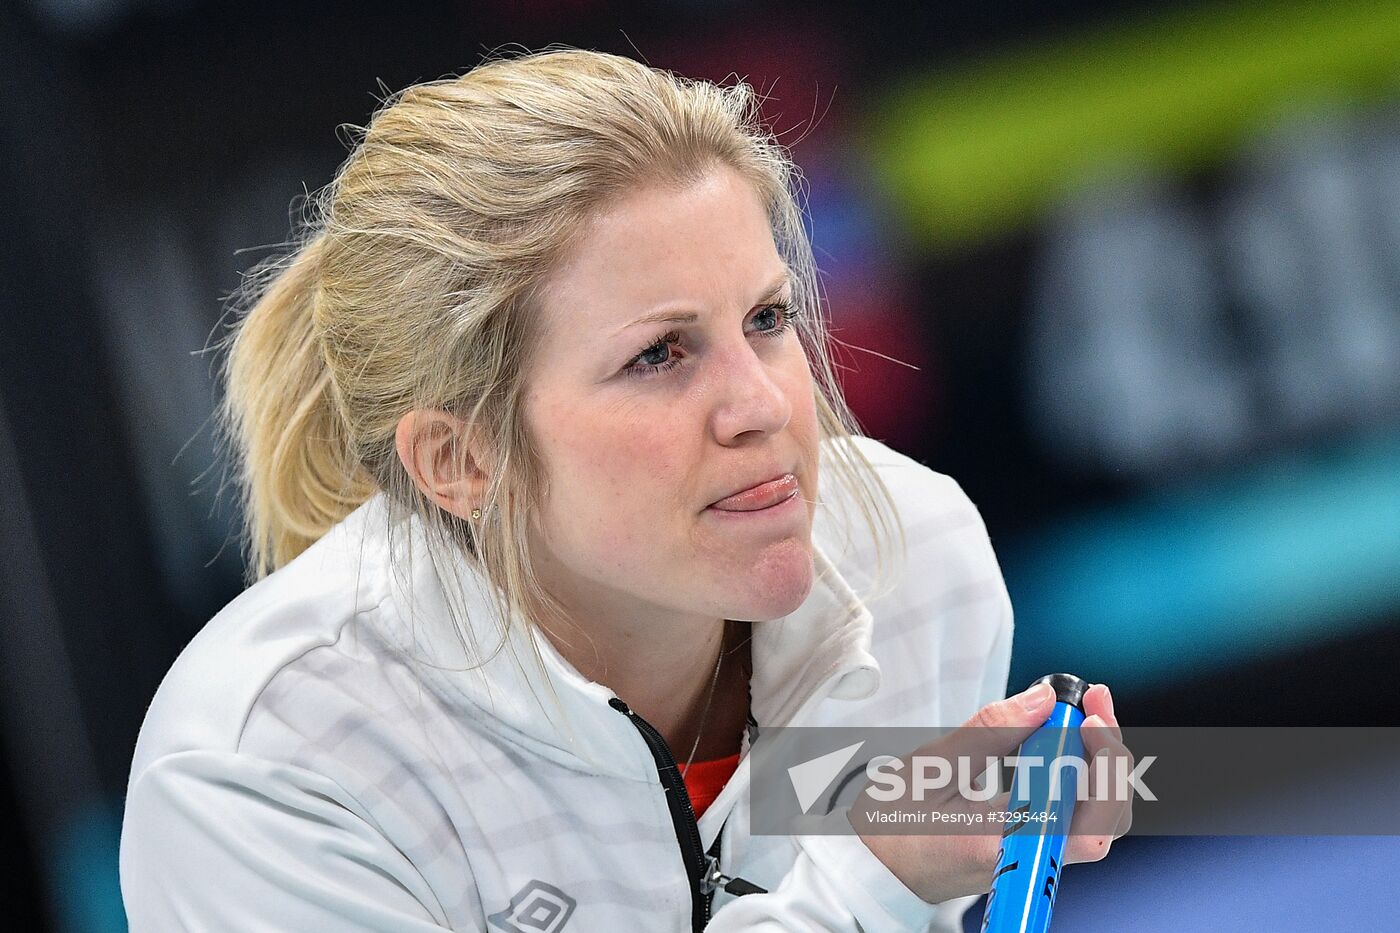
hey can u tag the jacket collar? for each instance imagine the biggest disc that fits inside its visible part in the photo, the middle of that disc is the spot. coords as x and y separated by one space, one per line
821 649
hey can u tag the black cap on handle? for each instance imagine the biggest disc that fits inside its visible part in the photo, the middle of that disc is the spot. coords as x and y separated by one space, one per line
1068 688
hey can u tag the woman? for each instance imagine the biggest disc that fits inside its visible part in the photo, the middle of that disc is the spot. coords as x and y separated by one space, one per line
551 501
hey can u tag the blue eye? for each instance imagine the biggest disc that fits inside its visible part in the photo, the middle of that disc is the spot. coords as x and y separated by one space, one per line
645 363
658 356
783 310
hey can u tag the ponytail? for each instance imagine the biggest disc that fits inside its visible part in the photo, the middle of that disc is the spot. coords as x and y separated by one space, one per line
293 463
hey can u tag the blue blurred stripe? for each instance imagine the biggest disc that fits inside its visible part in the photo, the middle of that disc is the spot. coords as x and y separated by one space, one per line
1215 573
85 888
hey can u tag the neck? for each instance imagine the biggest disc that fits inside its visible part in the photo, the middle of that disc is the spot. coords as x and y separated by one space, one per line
667 681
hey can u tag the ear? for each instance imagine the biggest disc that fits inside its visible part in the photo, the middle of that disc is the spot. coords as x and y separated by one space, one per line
438 451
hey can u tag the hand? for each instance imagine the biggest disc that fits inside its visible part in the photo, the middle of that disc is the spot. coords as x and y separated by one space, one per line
940 867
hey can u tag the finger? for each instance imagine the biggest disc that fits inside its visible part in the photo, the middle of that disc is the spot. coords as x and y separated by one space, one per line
1112 717
1125 822
1108 809
1098 701
1127 762
1097 734
1095 822
1104 741
1087 848
1099 739
999 728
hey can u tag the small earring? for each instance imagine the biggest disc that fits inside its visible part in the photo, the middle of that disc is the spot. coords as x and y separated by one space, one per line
476 513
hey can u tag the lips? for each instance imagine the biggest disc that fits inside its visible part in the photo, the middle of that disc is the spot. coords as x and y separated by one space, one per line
764 495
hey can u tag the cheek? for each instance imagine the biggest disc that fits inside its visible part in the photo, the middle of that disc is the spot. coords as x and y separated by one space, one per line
801 392
805 427
609 470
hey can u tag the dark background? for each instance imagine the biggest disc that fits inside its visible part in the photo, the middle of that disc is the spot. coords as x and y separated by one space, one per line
1137 266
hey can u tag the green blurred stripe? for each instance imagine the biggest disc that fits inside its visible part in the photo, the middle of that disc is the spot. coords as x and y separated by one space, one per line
972 151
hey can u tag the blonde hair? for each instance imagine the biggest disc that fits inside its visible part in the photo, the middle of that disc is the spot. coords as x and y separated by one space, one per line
415 286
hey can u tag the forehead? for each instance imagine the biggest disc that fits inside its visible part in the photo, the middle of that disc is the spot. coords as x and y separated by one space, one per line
703 247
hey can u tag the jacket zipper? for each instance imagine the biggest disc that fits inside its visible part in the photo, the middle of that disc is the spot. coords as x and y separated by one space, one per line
702 869
682 814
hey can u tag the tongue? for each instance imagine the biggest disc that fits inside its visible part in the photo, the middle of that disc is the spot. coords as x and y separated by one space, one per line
759 497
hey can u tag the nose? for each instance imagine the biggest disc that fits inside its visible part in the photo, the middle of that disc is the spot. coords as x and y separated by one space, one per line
751 401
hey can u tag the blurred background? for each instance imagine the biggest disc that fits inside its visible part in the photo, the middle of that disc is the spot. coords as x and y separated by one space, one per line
1128 271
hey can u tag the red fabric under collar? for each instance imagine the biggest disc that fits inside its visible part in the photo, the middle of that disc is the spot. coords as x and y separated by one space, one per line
705 779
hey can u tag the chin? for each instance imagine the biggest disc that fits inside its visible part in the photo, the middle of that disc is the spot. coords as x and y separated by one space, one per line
773 588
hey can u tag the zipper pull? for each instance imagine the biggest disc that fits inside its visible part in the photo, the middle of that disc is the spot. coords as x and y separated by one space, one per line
714 878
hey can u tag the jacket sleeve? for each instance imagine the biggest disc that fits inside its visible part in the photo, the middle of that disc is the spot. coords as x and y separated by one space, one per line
215 840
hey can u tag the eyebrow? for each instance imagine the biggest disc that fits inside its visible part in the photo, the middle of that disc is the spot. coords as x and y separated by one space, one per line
677 317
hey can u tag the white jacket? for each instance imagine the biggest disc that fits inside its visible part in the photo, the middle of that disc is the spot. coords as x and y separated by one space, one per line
298 770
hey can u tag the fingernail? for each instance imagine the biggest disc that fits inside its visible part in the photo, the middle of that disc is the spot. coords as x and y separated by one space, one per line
1108 695
1034 698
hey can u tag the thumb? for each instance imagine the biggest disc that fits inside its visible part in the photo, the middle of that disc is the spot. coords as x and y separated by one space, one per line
999 728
